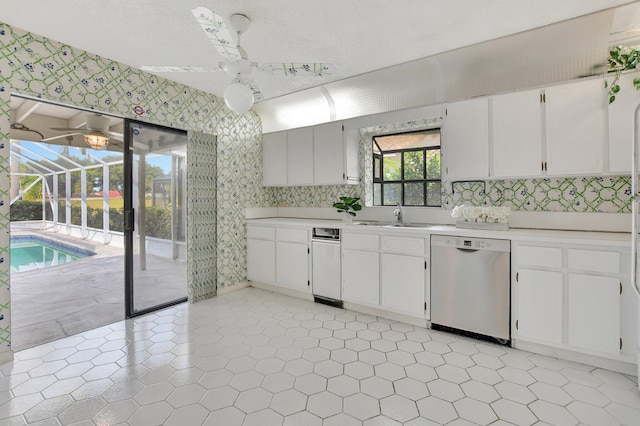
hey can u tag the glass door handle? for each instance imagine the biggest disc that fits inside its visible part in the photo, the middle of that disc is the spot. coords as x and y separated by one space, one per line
129 222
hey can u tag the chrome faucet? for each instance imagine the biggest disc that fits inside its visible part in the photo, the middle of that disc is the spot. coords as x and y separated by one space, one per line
398 212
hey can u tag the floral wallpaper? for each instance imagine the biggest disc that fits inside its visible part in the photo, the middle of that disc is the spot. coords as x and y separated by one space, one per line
39 67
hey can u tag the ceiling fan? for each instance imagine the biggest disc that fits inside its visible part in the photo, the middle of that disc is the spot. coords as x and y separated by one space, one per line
96 132
240 94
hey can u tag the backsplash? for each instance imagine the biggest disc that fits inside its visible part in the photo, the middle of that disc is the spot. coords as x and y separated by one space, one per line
610 194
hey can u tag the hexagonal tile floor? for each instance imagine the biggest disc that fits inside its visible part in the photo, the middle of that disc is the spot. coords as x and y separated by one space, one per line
252 357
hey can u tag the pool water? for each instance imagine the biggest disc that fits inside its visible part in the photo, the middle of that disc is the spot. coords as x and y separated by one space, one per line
30 252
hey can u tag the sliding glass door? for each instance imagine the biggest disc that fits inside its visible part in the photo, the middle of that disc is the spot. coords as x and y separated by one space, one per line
155 217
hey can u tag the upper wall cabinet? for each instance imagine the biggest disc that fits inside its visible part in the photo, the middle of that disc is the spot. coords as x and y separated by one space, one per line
576 123
465 140
621 115
516 123
274 157
319 155
300 156
330 154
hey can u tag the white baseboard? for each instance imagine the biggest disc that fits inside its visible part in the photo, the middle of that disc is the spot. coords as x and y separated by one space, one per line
229 289
565 354
6 356
382 313
281 290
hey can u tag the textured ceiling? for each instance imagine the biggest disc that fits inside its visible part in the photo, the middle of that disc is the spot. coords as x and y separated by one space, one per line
355 36
387 55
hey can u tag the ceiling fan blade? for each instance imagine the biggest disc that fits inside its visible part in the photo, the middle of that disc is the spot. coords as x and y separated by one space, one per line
162 68
215 28
53 138
303 69
253 85
69 129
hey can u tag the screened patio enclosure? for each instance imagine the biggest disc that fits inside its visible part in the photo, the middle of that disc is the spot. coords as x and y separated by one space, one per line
80 192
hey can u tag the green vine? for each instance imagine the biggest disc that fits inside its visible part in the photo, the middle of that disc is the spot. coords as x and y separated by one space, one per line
621 58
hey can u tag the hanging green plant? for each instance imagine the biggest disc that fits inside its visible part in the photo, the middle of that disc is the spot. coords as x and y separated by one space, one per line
349 205
621 58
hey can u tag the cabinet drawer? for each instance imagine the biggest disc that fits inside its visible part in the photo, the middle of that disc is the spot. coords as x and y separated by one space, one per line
594 261
261 232
545 257
292 235
365 242
403 245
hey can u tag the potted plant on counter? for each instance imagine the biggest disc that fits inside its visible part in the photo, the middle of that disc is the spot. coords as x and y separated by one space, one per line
349 206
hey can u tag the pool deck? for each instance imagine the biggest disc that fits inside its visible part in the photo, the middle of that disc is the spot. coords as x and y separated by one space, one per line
52 303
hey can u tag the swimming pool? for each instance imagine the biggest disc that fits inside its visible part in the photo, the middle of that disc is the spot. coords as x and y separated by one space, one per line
29 252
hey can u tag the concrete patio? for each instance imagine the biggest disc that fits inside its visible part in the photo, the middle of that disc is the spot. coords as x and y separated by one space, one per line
52 303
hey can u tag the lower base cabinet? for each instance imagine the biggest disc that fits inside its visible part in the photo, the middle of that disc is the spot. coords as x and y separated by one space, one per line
574 297
292 265
261 261
594 313
539 305
361 276
402 283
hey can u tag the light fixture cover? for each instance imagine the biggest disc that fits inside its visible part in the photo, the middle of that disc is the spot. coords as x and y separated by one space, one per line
238 97
96 140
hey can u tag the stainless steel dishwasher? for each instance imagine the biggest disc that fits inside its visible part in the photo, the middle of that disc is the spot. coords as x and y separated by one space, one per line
470 285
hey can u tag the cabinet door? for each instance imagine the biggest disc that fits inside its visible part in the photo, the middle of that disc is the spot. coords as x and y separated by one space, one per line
360 277
403 283
274 159
300 156
539 299
328 154
292 266
576 127
517 134
261 261
594 313
465 140
621 125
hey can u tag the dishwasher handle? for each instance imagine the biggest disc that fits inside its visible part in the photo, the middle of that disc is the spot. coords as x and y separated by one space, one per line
467 250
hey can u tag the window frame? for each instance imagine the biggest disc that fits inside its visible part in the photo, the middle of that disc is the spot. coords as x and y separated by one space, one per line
380 156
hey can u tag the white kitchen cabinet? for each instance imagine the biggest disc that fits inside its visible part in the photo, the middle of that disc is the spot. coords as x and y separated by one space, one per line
328 154
361 276
274 159
621 115
516 120
594 313
402 283
576 125
300 156
292 265
319 155
292 258
261 254
539 305
361 268
465 140
571 296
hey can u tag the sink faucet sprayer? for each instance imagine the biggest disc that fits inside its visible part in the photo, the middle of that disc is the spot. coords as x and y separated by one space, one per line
398 212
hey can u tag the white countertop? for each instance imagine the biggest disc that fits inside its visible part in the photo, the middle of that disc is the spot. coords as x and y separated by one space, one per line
619 239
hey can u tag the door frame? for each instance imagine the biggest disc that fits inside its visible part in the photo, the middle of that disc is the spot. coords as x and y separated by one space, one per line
129 224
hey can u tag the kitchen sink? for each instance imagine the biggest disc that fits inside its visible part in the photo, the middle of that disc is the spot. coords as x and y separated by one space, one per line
409 225
393 224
